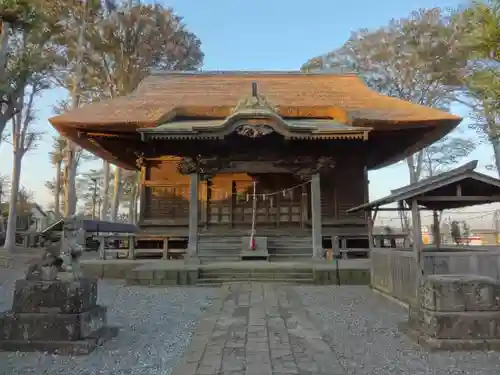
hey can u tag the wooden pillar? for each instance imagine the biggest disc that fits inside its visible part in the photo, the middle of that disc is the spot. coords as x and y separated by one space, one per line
303 207
142 196
436 233
316 215
232 204
209 199
417 247
165 248
203 203
193 216
417 235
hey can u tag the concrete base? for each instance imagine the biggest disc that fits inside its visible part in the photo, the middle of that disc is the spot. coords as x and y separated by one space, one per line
171 272
192 260
69 348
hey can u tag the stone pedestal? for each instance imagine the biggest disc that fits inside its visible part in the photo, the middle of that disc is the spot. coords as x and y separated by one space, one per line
456 312
55 316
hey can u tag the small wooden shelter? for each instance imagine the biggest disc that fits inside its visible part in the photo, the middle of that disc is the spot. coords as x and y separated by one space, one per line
458 188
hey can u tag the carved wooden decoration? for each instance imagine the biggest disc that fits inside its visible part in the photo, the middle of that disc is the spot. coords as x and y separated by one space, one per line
253 131
305 166
205 166
188 165
140 161
255 102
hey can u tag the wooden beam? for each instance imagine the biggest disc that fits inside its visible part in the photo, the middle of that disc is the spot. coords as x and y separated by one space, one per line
167 183
108 135
462 198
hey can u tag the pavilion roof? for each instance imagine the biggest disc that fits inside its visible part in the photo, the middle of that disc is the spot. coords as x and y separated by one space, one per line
165 95
165 101
460 187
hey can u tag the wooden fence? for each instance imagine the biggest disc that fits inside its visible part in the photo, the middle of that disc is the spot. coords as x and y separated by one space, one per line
394 271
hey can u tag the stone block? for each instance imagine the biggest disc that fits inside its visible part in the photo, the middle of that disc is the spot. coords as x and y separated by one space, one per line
55 296
91 269
456 312
145 275
193 276
51 327
459 293
456 325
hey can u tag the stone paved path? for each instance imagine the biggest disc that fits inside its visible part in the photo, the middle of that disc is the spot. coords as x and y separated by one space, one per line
272 329
258 329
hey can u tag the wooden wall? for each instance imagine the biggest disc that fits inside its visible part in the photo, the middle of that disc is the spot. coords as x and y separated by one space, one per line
166 193
167 196
343 188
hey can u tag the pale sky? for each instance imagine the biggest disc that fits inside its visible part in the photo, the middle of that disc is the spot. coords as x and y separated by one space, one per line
259 35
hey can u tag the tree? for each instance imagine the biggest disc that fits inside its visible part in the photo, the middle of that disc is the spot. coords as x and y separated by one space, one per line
14 15
130 192
117 190
23 139
86 183
437 158
455 231
68 166
481 22
18 19
417 59
33 56
4 189
481 29
106 176
122 47
56 158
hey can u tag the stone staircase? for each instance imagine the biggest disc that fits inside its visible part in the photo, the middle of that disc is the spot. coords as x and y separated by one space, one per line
217 248
290 248
217 276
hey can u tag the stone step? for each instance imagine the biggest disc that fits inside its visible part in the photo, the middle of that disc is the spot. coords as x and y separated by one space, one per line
290 245
256 275
290 249
219 282
290 258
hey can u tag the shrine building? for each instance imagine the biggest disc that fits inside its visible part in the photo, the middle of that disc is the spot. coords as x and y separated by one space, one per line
204 140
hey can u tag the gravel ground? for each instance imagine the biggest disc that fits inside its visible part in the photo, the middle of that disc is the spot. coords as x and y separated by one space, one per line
156 325
361 327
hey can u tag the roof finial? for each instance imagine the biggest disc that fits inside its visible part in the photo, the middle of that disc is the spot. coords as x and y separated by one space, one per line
255 92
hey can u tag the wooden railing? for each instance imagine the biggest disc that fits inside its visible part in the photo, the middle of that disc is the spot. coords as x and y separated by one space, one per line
394 270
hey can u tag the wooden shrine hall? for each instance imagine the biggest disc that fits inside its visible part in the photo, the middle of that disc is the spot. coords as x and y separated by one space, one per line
277 155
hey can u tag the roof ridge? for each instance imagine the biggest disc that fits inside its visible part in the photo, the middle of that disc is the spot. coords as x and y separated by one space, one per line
239 73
